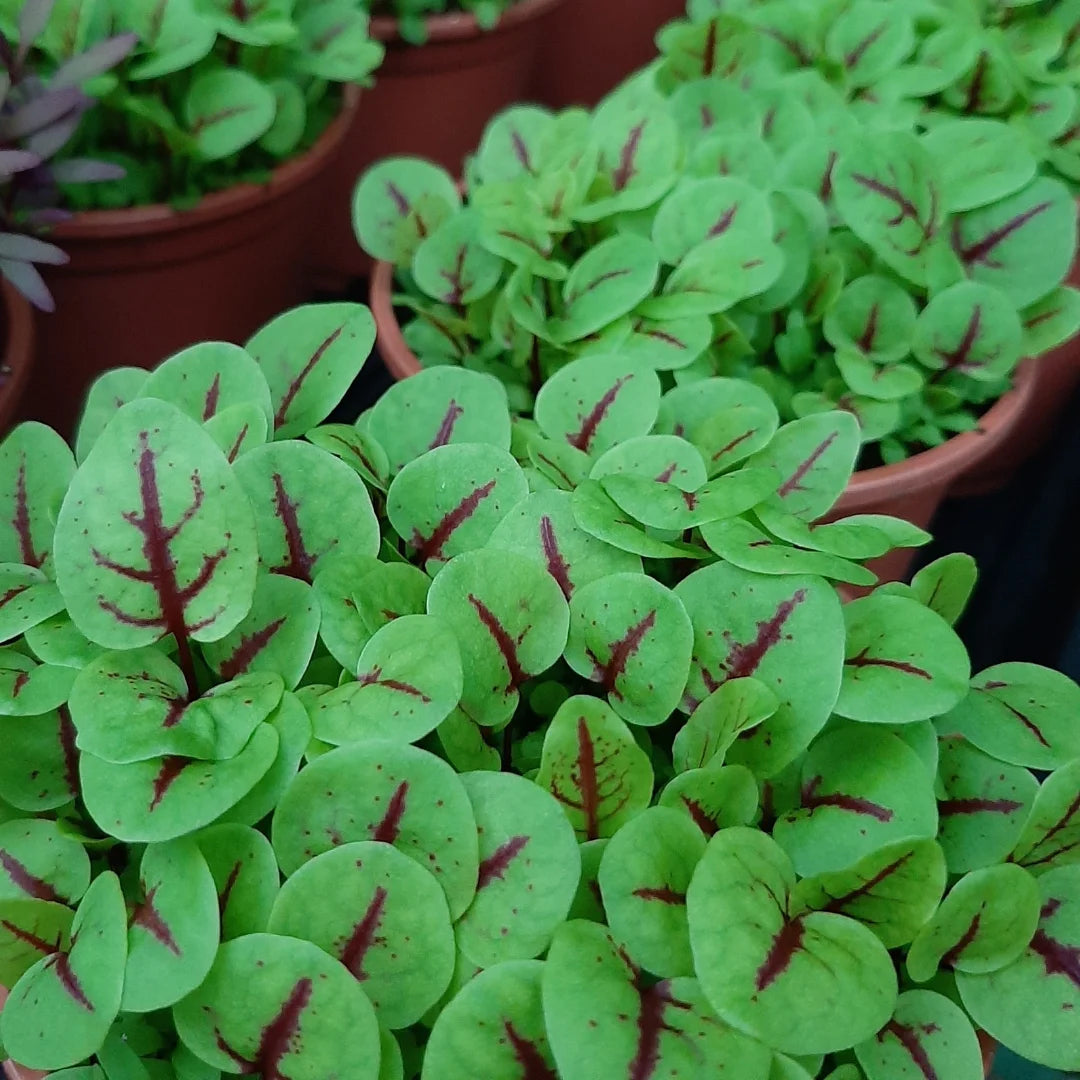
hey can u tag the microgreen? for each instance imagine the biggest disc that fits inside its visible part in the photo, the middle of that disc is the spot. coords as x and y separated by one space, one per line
445 744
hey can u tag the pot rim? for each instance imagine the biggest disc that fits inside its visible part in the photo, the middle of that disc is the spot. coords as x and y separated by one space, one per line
160 217
918 472
457 26
943 464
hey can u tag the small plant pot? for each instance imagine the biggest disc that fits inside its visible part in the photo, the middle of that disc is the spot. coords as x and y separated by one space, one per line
432 101
147 281
399 359
17 327
915 488
593 45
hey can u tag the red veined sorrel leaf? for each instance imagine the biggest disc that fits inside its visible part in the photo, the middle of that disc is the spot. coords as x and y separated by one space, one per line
155 536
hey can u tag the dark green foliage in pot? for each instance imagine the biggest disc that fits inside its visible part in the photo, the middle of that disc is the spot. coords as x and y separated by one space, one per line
214 92
446 746
412 15
938 60
764 229
38 115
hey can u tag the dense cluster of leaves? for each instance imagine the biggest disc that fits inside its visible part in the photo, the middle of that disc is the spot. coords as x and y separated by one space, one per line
38 116
214 92
1016 60
412 15
761 228
447 745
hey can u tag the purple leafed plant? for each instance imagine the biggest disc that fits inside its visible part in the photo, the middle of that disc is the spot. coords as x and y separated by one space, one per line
38 116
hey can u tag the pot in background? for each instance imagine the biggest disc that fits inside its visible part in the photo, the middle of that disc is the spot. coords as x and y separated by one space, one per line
915 488
146 281
17 327
431 101
593 45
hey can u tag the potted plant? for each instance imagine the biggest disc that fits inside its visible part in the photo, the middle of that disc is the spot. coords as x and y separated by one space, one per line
36 118
224 117
941 63
449 67
835 264
561 765
592 45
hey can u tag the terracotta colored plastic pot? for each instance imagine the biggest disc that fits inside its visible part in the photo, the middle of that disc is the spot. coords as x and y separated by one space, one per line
17 328
431 101
397 356
915 488
1057 375
144 282
592 45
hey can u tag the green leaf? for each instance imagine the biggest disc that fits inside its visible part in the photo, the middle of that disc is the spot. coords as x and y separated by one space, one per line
26 928
984 924
847 812
493 1024
868 40
529 870
597 402
1022 245
436 407
734 707
757 964
310 357
511 622
167 546
300 496
452 266
263 984
903 662
946 585
594 767
1051 835
107 394
928 1034
633 636
451 499
397 203
617 1022
887 191
715 797
227 110
60 1011
246 877
40 769
163 798
644 874
971 329
609 280
1044 1028
542 527
983 805
981 161
787 633
173 927
382 916
873 317
41 863
1051 321
36 468
1020 713
894 891
815 457
382 791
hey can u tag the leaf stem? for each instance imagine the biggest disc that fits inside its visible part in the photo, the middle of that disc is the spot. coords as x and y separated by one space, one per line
187 665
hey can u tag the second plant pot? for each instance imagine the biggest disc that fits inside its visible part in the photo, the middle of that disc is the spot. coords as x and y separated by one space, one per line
431 101
144 282
592 45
